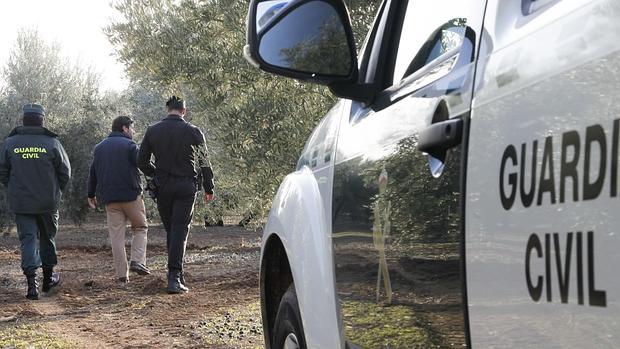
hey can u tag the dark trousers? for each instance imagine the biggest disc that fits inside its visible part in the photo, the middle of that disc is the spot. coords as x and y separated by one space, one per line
175 202
37 233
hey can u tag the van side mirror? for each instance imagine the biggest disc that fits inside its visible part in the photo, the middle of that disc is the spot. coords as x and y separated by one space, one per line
309 40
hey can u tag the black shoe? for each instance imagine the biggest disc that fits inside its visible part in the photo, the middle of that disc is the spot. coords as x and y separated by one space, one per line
174 283
33 293
139 268
50 280
183 283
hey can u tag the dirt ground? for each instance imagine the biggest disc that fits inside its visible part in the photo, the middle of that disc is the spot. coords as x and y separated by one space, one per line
90 310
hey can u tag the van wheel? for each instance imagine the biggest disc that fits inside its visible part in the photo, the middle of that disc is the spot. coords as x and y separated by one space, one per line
288 332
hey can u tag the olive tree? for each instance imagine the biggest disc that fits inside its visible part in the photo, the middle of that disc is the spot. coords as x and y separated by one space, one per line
255 123
76 109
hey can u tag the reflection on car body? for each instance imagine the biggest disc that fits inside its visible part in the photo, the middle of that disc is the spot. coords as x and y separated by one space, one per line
463 190
267 10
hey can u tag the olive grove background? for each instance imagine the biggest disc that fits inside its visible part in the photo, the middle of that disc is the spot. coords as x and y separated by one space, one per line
255 123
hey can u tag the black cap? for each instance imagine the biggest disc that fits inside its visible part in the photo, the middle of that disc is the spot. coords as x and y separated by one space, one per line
32 108
175 103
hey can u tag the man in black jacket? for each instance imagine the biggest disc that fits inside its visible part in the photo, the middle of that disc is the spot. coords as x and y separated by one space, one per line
114 175
35 168
179 149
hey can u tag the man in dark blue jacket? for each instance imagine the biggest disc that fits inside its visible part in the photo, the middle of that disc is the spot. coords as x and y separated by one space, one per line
35 168
114 176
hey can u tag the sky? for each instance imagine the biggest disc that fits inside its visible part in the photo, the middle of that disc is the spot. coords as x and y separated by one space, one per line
75 24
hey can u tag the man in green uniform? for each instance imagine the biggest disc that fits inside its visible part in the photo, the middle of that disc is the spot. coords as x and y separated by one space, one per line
35 168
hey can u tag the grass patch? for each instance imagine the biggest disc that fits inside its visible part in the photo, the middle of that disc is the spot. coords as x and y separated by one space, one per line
139 304
158 262
241 323
30 336
395 326
192 256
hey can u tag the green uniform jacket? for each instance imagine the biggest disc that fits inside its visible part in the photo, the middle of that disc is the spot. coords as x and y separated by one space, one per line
35 168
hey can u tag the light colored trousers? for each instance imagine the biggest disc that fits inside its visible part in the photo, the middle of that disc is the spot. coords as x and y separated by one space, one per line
118 213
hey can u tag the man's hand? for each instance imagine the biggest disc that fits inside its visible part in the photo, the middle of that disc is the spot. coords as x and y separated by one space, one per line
208 197
92 202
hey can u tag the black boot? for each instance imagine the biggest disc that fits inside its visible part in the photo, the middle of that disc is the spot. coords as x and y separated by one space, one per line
33 293
50 279
174 283
183 283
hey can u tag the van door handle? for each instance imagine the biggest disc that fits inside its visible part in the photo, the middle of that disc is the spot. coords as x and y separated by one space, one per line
436 139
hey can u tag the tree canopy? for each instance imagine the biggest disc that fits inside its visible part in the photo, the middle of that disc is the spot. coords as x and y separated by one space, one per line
76 108
255 123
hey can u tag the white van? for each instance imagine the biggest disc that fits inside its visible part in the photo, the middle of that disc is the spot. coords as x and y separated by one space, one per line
463 192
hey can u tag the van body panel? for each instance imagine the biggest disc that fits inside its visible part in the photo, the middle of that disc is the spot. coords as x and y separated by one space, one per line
541 225
297 217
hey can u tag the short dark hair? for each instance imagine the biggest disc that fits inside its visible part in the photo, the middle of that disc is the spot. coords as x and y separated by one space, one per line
32 119
119 122
175 103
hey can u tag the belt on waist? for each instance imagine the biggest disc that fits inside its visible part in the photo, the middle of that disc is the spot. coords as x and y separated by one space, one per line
175 177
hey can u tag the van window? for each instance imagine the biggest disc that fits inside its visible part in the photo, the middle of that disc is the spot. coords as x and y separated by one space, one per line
319 148
448 37
430 29
371 36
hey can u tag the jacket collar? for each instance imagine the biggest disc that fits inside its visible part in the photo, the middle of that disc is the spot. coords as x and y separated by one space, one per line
174 117
118 134
32 130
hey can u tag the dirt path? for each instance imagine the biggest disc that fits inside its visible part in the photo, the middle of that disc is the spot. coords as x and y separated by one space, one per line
91 310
